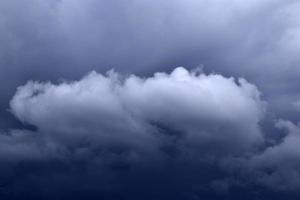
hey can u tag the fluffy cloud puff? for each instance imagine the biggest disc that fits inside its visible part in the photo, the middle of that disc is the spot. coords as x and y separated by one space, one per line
108 134
182 109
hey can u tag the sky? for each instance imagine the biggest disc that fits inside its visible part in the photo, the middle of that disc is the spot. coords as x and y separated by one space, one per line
148 99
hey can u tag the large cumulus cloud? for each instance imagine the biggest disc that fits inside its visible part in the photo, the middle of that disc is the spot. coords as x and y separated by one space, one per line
204 110
103 130
104 135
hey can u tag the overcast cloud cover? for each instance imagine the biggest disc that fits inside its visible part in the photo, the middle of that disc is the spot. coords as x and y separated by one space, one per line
148 99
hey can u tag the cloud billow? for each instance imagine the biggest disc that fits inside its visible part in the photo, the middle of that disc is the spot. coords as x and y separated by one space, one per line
98 133
205 110
131 124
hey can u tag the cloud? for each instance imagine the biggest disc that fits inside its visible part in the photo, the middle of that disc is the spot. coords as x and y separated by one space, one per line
275 167
203 110
180 124
132 125
278 166
124 125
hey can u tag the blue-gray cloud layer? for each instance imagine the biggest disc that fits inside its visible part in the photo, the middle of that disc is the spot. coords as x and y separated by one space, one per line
103 130
182 131
130 123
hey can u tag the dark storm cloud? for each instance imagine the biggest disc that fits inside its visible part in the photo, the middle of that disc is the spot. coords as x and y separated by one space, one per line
182 132
98 133
277 167
106 125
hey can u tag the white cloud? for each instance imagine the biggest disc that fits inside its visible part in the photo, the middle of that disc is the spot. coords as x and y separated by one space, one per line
205 113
